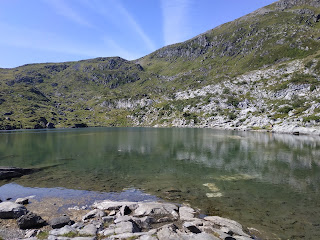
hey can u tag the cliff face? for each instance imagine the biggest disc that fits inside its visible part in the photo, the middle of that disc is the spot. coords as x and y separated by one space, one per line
260 71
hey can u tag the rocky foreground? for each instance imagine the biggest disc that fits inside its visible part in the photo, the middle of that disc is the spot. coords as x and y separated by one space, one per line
118 220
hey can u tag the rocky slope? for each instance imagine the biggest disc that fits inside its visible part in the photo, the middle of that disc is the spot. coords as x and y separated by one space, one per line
260 71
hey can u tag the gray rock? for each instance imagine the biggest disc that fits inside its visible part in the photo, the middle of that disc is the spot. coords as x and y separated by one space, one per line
22 201
78 225
12 172
93 214
155 208
84 238
64 230
126 227
186 213
59 222
144 222
108 232
231 225
10 210
124 210
112 205
108 219
200 236
123 219
31 233
147 237
30 220
168 232
90 230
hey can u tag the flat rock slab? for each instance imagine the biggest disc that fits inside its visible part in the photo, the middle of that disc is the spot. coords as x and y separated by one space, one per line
59 222
30 220
112 205
155 208
10 210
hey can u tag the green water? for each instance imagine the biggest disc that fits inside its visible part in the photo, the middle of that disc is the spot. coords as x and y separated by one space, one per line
267 181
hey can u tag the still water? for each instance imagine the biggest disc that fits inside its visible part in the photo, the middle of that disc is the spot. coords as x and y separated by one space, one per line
266 181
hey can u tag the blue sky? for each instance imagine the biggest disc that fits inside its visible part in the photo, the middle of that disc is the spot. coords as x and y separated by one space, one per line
34 31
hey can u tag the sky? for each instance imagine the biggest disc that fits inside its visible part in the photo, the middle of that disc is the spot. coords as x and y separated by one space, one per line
36 31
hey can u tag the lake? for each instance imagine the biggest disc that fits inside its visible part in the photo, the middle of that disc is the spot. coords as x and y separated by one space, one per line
266 181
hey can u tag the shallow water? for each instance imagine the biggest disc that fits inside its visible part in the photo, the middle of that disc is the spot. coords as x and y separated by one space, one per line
266 181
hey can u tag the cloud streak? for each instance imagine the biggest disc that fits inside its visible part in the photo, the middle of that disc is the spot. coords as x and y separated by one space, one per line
175 20
63 9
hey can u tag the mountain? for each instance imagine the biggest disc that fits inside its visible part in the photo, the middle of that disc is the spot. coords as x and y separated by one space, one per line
260 71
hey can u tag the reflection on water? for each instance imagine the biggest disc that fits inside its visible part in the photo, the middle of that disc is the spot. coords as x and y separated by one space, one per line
267 181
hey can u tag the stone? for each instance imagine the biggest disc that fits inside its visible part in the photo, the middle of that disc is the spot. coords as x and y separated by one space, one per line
232 225
84 238
62 231
144 222
10 210
147 237
30 220
200 236
22 201
31 233
123 219
126 227
89 229
108 219
168 232
124 210
191 227
93 214
186 213
59 222
107 232
154 208
113 205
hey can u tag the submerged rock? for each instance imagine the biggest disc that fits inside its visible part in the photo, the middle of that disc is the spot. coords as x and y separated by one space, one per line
12 172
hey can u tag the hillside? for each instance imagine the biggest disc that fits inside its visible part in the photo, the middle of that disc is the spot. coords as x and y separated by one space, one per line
260 71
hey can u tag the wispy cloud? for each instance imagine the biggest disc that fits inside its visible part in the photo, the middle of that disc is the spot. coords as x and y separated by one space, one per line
138 29
114 11
175 20
63 9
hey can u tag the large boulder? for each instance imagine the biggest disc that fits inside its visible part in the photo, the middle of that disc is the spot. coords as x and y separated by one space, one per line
60 222
30 220
10 210
113 205
155 209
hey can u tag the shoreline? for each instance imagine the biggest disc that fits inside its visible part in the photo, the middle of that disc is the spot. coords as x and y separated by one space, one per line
106 219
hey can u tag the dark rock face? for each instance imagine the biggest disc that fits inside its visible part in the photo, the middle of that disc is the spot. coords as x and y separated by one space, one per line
11 172
50 125
285 4
60 222
80 125
30 220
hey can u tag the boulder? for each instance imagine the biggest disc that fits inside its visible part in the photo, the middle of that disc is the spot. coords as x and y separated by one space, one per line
89 229
30 220
62 231
189 226
126 227
59 222
168 232
22 201
230 225
154 209
186 213
10 210
113 205
93 214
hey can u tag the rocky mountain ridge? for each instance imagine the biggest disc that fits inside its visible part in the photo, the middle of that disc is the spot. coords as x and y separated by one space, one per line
258 72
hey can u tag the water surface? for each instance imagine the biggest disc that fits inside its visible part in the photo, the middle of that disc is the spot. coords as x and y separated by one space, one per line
266 181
